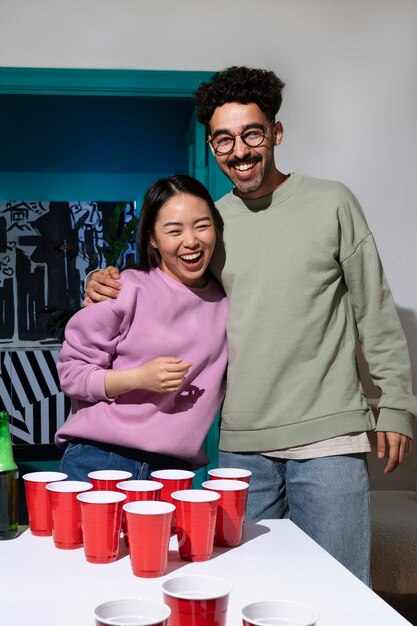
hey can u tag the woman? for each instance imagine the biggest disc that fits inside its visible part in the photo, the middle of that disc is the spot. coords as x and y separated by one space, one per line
145 372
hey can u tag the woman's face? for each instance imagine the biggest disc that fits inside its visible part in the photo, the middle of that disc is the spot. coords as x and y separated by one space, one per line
185 236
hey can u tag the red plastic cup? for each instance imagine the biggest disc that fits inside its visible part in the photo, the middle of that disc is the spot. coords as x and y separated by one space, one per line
231 510
37 500
101 515
196 520
279 613
106 480
149 529
173 480
66 512
134 612
197 600
230 473
138 490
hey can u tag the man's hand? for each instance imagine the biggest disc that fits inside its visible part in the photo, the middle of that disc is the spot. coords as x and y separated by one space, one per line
103 285
398 447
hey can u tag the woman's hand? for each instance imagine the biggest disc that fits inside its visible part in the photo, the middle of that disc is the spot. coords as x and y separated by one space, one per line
165 374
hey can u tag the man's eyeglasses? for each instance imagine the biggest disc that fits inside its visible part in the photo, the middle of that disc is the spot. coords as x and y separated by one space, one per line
224 143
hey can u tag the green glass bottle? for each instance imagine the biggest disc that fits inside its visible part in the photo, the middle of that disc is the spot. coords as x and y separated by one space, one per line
8 482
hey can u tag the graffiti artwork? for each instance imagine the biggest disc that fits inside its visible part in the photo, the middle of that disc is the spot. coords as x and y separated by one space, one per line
46 250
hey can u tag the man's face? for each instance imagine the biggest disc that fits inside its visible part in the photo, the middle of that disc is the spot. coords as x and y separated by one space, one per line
251 170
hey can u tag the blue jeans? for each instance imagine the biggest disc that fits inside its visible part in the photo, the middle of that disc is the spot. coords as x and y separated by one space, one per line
81 457
328 498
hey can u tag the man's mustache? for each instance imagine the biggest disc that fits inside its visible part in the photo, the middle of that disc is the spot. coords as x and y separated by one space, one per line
246 159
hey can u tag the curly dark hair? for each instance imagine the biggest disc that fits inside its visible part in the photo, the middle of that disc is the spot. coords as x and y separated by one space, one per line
243 85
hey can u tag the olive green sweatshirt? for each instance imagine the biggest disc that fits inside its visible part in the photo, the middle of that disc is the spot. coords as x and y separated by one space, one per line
296 263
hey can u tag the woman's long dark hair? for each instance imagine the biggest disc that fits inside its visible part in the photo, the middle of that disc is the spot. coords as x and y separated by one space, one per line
155 198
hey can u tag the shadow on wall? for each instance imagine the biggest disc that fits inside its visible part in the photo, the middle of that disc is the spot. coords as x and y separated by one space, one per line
404 476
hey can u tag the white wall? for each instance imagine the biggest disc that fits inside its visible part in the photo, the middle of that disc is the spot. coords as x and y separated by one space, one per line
350 104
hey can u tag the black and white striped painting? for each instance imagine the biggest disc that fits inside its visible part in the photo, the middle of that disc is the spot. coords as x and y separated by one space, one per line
30 392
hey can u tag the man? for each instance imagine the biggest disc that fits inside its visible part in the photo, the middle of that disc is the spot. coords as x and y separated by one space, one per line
299 257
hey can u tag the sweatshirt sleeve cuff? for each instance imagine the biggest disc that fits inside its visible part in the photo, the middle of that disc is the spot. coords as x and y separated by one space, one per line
95 386
396 421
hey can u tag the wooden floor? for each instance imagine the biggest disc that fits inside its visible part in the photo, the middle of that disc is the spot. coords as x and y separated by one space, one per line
404 605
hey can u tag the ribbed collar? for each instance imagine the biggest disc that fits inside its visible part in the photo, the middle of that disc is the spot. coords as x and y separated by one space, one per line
281 194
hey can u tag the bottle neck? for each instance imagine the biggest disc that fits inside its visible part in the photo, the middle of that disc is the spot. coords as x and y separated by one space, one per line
6 451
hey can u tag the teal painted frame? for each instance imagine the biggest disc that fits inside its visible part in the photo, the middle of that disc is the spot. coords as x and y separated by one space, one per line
96 82
104 82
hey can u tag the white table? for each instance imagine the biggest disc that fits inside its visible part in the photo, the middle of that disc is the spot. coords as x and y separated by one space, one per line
44 586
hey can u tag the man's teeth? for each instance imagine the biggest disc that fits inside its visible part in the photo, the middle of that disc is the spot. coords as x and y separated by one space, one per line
189 258
243 167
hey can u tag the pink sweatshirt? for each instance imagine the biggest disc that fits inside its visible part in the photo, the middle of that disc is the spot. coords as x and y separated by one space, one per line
153 316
